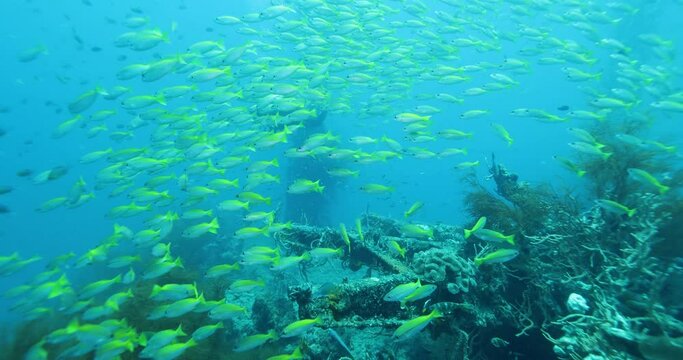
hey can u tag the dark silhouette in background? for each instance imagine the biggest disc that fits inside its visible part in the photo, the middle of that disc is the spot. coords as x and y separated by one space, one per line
313 208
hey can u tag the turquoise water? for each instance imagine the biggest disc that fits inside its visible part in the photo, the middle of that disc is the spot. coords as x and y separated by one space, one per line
350 68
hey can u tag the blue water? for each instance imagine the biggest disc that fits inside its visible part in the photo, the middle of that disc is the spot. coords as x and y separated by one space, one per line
79 36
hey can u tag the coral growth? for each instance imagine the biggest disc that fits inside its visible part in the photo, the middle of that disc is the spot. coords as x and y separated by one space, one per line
444 265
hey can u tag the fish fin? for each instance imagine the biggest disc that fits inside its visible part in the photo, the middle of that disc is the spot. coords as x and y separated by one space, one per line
161 99
142 340
179 331
155 290
510 239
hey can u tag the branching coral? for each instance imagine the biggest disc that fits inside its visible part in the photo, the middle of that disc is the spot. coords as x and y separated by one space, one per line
606 257
624 281
516 206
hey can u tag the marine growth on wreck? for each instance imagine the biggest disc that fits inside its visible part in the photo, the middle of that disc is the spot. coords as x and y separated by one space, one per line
341 179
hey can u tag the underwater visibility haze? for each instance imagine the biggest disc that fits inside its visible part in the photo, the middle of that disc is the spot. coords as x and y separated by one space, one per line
341 179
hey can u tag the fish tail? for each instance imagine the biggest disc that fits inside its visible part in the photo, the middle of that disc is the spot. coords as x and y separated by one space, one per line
155 290
161 99
73 326
142 340
510 239
435 314
213 226
112 305
179 331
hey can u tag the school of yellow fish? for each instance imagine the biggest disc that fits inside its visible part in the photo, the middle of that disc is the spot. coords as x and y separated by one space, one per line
210 142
